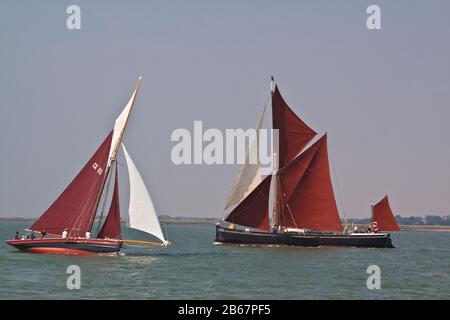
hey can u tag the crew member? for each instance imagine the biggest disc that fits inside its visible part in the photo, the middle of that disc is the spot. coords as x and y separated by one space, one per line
375 227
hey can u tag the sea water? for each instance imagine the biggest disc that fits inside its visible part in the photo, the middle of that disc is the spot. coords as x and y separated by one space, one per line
196 268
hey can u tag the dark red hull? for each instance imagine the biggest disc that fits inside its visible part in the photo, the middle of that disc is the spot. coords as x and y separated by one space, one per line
67 246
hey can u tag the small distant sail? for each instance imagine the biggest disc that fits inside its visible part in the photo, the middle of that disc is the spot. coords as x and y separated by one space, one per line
141 210
249 176
383 216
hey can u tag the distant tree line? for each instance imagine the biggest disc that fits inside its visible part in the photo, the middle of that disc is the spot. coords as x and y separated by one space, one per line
427 220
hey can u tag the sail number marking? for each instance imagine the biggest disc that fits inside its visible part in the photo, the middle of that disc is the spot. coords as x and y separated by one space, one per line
97 168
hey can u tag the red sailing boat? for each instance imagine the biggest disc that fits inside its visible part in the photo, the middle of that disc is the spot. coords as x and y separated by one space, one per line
304 207
382 217
70 226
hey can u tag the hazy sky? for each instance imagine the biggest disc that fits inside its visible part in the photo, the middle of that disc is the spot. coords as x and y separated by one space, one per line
383 96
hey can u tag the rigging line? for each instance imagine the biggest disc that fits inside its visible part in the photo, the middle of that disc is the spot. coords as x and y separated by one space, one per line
337 185
292 216
73 224
167 234
278 206
158 187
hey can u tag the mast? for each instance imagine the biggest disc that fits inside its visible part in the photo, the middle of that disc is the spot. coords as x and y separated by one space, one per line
120 125
372 208
275 208
275 182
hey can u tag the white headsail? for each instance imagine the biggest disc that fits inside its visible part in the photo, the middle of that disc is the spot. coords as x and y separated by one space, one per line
249 176
141 210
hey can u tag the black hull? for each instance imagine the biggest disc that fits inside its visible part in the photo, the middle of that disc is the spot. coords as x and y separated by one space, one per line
231 236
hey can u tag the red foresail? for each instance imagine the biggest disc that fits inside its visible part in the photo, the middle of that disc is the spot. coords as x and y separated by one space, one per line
308 191
292 173
294 134
253 211
75 207
111 227
383 216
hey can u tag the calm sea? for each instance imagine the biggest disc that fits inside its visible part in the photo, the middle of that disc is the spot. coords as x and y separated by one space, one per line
195 268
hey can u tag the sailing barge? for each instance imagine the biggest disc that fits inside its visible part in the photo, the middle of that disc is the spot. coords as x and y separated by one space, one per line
67 225
304 207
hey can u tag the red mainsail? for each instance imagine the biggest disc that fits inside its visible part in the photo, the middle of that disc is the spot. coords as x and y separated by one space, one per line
308 191
111 227
294 134
75 207
253 211
383 216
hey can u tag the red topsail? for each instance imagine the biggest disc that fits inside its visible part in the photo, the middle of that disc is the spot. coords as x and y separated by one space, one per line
111 227
308 191
383 216
294 134
75 207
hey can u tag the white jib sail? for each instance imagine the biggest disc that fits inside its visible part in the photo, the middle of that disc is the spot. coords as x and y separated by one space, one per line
249 176
141 210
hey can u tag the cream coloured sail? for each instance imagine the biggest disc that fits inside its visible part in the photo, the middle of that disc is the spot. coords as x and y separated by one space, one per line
249 176
141 210
120 124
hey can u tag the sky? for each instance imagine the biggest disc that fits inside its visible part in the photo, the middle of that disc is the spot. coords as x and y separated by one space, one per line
383 96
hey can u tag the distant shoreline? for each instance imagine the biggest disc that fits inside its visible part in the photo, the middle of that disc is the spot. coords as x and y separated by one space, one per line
425 228
17 219
210 221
